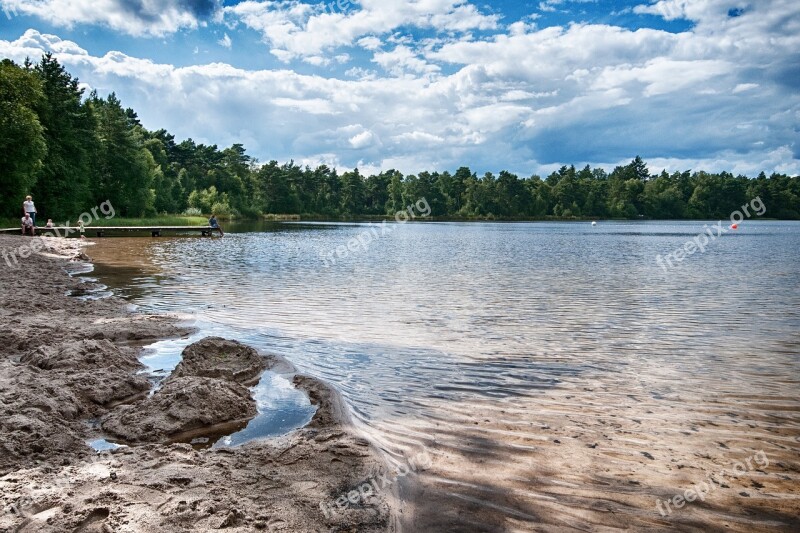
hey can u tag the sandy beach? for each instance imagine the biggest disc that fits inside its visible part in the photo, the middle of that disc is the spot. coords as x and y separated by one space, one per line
69 375
400 266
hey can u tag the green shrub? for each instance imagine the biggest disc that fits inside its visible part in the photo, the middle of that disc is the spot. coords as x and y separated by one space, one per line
221 209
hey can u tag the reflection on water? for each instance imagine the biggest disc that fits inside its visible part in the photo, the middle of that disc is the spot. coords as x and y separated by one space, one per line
91 288
513 346
281 407
102 445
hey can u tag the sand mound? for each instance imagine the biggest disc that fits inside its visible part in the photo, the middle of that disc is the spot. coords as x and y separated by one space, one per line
206 389
182 405
74 365
214 357
39 419
80 355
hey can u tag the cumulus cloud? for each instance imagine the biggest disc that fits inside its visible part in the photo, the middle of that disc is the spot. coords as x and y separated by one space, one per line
549 6
699 11
404 60
723 95
297 29
134 17
362 140
225 42
659 76
370 43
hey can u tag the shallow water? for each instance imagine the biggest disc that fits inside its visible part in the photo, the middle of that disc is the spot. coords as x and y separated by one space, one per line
483 344
281 407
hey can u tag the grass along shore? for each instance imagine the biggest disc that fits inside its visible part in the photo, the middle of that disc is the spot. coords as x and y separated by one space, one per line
202 220
163 220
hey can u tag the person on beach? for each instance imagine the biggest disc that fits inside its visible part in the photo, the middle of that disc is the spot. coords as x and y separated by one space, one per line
81 229
29 208
49 223
214 224
28 225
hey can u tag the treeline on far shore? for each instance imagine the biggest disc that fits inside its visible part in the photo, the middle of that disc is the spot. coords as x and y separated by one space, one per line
72 151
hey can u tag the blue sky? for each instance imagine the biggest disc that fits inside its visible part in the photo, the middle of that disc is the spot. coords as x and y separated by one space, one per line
437 84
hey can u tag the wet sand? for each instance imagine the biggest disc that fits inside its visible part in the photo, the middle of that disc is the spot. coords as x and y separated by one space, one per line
594 459
69 368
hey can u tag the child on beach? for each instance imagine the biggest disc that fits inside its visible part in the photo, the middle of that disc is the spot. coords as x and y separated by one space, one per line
49 223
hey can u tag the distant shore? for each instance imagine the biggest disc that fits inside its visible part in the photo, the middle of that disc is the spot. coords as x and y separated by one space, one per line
69 367
226 221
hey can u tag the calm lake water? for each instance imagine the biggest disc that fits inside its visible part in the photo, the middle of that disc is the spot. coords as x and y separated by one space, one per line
483 343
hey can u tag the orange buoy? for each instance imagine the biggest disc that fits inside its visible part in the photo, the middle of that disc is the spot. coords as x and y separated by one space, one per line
734 226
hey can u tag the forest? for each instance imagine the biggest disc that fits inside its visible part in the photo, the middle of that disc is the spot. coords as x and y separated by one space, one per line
72 151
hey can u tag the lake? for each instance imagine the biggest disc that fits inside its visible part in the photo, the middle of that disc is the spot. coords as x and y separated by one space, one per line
561 374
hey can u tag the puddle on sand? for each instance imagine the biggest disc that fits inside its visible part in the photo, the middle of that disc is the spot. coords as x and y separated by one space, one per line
96 291
93 289
102 445
281 407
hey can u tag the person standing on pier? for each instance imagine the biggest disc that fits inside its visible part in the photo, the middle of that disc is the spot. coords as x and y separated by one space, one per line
29 208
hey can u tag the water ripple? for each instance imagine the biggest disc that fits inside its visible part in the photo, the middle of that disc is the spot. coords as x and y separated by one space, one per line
542 366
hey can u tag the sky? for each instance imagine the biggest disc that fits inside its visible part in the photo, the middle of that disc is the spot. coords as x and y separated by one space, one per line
434 85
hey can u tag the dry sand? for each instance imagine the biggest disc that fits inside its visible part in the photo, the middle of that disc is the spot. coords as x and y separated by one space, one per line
69 367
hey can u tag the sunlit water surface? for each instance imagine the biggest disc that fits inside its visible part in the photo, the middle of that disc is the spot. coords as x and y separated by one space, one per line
462 338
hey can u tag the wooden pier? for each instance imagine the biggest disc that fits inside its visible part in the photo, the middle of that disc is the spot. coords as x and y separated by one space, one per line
102 231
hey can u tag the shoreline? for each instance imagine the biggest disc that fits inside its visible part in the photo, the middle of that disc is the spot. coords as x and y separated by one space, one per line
60 387
323 219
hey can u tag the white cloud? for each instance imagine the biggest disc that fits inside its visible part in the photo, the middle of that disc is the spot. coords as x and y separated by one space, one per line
317 61
37 42
660 76
361 73
550 55
362 140
312 106
370 43
403 60
780 160
548 6
294 29
225 42
720 96
418 137
701 10
144 17
742 87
